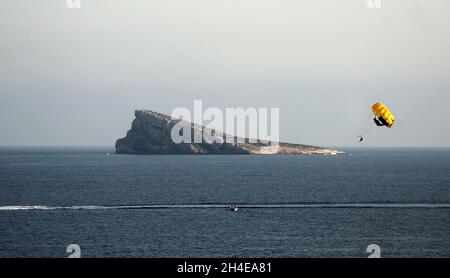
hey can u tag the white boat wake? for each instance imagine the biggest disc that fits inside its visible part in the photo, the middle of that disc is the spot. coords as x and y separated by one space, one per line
248 206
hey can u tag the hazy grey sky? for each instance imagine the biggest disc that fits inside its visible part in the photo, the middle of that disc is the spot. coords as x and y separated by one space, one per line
75 76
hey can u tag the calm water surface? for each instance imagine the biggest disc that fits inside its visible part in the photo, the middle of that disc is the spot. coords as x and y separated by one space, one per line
290 206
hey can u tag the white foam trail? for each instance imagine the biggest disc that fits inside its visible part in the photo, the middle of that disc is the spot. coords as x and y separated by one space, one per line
46 207
205 206
22 207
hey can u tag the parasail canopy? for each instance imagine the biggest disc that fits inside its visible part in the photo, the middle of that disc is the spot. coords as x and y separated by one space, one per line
383 116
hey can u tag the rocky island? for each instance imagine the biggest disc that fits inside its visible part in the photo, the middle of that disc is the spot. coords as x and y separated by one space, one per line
150 133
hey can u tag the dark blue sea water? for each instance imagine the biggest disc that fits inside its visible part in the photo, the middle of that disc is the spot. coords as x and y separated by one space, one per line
175 206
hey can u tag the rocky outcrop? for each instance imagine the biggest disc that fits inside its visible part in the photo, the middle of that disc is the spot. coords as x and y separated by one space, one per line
150 133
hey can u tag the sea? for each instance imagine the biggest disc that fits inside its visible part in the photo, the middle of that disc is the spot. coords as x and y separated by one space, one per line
111 205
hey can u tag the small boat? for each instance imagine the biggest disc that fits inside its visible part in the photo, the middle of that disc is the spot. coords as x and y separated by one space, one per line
233 207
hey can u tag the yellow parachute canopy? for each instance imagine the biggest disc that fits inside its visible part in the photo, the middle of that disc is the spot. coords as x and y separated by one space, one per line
383 117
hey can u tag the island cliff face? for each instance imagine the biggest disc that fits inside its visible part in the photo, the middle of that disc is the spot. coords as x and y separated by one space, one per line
150 133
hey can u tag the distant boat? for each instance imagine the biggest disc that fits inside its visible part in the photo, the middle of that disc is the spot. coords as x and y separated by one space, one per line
233 207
